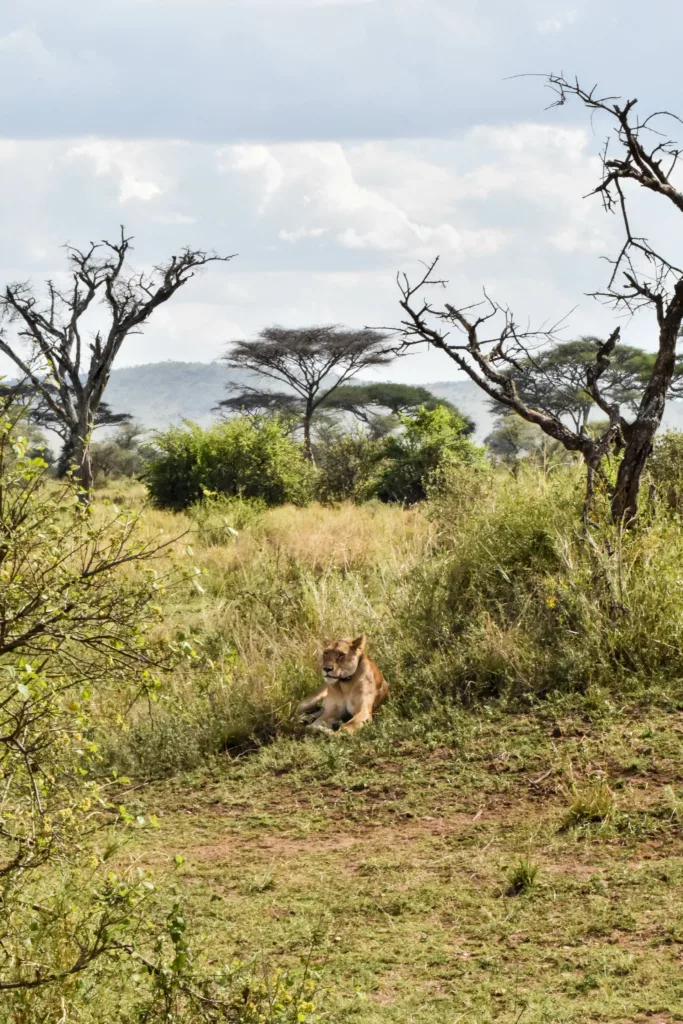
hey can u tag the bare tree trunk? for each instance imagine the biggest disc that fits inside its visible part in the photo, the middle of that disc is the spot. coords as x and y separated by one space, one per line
85 468
636 454
76 453
640 435
308 447
66 456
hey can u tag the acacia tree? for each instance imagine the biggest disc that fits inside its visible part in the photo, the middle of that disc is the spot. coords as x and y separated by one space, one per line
312 361
512 438
260 403
49 340
555 378
365 400
486 342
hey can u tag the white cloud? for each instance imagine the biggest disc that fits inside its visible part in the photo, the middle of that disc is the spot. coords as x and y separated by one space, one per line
249 159
133 188
322 181
394 198
125 161
321 228
444 238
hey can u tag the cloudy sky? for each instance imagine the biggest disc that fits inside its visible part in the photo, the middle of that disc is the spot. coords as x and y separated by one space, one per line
330 143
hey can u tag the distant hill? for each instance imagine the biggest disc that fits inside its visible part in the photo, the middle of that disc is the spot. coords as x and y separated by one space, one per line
159 394
469 399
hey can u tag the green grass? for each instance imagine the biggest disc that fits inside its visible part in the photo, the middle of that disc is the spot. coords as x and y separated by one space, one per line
504 842
521 877
592 804
396 859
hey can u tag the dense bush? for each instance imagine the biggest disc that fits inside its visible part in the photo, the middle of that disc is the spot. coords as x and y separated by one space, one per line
666 469
252 458
80 644
431 440
521 602
77 610
345 464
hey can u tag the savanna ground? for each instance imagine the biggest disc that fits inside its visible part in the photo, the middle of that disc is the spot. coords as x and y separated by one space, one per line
507 860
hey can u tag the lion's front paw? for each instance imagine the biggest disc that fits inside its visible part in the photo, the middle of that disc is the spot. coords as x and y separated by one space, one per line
319 726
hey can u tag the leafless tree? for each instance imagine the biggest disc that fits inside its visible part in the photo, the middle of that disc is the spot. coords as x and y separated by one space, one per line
48 339
488 344
312 361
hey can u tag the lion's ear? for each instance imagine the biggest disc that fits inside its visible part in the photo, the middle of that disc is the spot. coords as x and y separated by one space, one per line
359 644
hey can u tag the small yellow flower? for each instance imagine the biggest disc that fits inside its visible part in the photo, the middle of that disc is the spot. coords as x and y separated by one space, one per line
551 601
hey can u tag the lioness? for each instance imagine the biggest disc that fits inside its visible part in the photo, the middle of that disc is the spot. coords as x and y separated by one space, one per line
353 688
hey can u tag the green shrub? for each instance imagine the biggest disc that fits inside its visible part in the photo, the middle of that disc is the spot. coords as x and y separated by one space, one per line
431 440
345 465
251 458
519 603
666 469
78 615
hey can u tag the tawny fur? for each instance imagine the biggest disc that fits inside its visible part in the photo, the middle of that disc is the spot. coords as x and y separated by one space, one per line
353 688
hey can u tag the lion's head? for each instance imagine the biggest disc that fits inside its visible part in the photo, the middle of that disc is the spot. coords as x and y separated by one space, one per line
340 658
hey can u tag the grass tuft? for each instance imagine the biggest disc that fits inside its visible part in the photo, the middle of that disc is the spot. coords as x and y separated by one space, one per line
521 877
591 804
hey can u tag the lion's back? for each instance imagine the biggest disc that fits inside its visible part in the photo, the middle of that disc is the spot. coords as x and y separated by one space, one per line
380 684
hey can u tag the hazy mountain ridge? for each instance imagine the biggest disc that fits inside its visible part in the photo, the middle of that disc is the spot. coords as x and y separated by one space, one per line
159 394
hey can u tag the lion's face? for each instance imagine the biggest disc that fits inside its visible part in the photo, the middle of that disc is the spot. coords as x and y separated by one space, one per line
340 658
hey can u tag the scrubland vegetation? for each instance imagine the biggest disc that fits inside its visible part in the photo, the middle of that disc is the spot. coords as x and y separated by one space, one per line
503 842
503 839
489 591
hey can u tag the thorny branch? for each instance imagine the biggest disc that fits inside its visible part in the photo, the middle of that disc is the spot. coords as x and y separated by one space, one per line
68 369
489 346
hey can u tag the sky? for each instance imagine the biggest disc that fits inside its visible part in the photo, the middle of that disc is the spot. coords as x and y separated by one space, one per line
329 144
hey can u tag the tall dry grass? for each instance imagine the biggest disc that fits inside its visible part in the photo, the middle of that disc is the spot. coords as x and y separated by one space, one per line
253 618
489 591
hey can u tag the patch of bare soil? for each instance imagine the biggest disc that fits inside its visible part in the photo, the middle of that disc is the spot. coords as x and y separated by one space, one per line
361 838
